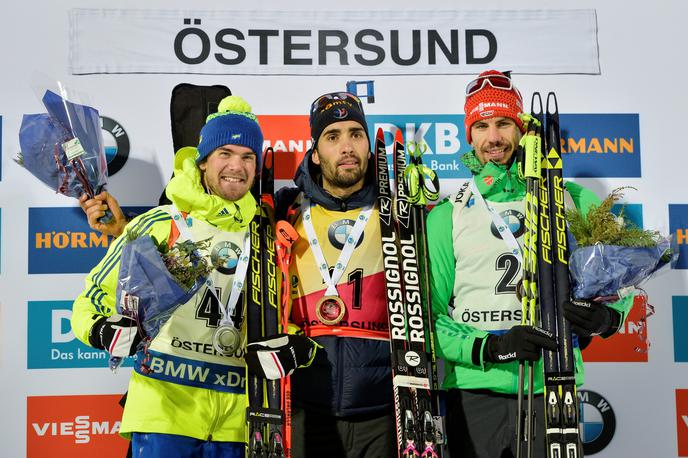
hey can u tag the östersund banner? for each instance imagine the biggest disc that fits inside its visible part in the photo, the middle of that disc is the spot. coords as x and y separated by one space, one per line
332 42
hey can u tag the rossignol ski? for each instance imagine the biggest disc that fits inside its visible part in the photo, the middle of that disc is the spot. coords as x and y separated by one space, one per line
411 377
264 414
561 402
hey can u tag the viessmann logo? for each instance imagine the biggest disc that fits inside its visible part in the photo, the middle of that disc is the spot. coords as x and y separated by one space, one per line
68 426
682 421
51 341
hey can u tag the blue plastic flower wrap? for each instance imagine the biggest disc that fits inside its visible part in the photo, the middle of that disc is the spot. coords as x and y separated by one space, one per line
602 270
64 148
146 291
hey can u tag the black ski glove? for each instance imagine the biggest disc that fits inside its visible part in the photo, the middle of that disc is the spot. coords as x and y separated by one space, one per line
117 334
520 342
590 318
278 356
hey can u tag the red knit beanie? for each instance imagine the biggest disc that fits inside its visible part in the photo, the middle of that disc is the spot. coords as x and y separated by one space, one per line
489 102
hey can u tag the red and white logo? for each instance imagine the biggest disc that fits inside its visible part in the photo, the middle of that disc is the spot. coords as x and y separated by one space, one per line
290 137
68 426
682 421
630 344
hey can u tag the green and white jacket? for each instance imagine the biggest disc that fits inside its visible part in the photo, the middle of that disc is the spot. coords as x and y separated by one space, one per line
474 276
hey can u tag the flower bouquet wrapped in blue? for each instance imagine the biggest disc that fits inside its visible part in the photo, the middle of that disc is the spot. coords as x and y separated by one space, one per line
64 149
610 253
154 280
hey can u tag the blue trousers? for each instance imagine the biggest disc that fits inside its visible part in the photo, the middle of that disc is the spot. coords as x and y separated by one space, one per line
154 445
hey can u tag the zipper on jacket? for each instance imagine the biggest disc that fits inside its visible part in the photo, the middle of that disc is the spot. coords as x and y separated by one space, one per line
216 417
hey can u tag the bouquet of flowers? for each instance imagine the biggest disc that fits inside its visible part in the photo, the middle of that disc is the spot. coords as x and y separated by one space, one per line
63 148
610 253
155 279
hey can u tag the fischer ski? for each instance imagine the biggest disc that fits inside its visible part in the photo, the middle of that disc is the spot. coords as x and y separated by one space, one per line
561 402
264 414
411 375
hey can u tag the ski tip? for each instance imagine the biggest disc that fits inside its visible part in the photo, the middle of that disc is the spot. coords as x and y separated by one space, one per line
268 157
380 135
286 234
399 137
552 99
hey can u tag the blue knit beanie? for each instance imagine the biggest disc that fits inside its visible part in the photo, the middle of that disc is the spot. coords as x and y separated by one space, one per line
233 124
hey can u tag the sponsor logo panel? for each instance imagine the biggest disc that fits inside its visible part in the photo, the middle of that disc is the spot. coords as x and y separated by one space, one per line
601 145
594 145
680 319
630 344
290 137
682 421
51 341
68 426
116 143
678 224
597 421
60 240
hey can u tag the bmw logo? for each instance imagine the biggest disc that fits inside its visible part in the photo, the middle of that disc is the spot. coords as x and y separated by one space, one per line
597 421
513 220
339 231
116 142
230 252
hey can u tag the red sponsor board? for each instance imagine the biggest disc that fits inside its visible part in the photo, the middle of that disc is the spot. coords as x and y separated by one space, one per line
682 421
69 426
290 137
628 345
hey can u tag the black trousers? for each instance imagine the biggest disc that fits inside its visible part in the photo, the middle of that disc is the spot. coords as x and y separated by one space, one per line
317 435
482 424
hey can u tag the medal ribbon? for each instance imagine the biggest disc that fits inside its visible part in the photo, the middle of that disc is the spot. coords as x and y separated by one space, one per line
347 250
500 224
239 273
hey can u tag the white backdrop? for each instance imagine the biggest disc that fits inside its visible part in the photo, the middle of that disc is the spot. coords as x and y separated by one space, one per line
642 61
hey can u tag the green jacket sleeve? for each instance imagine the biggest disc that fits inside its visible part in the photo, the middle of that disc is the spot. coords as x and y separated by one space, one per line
455 342
583 199
98 297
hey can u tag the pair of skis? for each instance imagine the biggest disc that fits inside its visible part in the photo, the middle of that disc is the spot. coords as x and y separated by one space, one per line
404 254
546 287
264 415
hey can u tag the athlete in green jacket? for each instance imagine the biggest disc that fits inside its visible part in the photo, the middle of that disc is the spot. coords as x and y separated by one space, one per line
186 397
474 278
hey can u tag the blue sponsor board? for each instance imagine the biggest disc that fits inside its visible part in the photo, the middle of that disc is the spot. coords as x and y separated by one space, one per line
678 224
601 145
631 212
60 240
680 311
443 134
593 145
51 342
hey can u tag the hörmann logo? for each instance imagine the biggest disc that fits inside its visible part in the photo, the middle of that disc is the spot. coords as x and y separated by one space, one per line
60 241
601 145
678 224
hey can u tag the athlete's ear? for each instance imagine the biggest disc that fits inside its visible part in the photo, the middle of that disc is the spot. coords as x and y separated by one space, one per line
315 157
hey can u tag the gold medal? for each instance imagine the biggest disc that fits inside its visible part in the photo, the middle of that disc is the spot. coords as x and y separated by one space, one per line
330 310
226 340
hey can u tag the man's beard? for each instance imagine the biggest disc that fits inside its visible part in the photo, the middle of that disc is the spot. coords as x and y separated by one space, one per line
343 179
